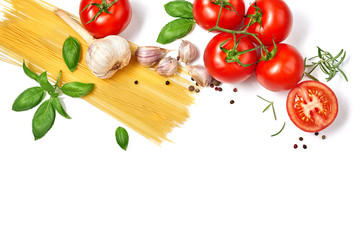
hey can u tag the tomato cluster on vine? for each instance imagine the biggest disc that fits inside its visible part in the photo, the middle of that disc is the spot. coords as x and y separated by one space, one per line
250 42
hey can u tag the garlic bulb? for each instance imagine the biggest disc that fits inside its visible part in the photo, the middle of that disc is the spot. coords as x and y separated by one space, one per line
187 52
105 56
149 56
167 67
200 75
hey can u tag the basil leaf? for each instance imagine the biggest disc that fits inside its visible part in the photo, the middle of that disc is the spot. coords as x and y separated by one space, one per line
71 53
77 89
28 99
45 84
43 119
29 73
55 101
122 137
181 9
175 29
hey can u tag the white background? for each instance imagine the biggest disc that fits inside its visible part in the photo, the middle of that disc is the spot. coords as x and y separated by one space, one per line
224 177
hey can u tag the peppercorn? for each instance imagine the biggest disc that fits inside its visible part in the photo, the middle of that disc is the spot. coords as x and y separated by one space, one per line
197 90
191 88
231 102
212 86
304 146
235 89
316 133
136 82
167 82
216 83
301 138
295 146
220 89
324 137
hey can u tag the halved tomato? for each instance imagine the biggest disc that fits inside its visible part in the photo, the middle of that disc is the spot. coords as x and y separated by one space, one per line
312 106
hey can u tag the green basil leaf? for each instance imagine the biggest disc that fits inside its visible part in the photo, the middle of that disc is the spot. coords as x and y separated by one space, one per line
59 107
45 84
43 119
77 89
28 99
175 29
122 137
71 53
181 9
29 73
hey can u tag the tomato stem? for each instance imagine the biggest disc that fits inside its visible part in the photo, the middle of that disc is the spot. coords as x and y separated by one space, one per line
103 8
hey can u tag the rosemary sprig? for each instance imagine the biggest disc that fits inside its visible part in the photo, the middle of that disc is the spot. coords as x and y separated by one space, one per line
268 106
328 64
283 127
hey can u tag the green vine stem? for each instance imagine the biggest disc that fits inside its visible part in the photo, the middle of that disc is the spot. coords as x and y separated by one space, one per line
265 54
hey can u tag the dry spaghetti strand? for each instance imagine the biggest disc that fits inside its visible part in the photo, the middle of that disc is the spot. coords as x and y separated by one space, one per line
31 31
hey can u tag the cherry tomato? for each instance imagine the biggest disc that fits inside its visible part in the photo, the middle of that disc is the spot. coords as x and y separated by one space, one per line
312 106
275 21
283 71
229 72
112 23
206 12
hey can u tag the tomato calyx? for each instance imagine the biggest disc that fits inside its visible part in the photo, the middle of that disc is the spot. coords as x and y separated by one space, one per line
256 17
233 54
103 8
224 4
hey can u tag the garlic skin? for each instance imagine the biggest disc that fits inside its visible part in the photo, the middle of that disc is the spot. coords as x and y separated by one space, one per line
106 56
167 67
187 52
148 56
200 75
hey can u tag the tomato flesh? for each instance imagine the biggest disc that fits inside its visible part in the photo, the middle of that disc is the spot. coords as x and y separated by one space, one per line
312 106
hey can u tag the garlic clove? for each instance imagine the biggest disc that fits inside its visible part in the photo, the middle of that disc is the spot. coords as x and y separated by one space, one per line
187 52
106 56
149 56
200 74
167 67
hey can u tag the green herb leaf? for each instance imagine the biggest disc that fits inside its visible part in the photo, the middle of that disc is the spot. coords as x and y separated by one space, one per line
179 8
122 138
77 89
29 73
28 99
43 119
45 84
55 101
175 29
71 53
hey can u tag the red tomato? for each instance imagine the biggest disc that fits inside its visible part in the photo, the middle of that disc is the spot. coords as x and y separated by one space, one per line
206 12
283 71
112 23
312 106
276 21
215 58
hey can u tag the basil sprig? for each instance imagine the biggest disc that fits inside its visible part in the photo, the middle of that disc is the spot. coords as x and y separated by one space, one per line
180 27
44 116
71 53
